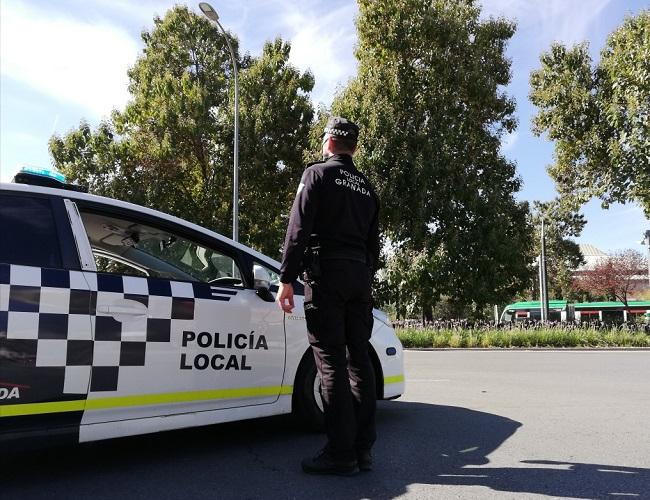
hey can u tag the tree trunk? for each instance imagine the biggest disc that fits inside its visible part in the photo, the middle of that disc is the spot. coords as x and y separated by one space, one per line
427 313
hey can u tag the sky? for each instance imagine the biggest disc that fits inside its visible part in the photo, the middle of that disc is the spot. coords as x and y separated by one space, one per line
63 61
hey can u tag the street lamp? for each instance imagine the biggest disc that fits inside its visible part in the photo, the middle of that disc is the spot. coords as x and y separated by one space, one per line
646 240
543 283
212 15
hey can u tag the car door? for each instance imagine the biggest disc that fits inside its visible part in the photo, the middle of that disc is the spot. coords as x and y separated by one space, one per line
178 328
45 322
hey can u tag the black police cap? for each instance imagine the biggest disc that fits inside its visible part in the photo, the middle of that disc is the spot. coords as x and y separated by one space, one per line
341 127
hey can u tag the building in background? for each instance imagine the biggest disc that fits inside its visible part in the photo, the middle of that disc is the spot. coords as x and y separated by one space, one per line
592 256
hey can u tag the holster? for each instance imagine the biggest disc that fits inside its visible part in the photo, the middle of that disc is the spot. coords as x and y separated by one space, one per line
311 262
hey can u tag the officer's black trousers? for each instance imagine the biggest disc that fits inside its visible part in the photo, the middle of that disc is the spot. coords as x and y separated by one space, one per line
338 309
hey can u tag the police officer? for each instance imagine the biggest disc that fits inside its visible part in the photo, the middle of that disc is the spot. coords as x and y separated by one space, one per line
333 232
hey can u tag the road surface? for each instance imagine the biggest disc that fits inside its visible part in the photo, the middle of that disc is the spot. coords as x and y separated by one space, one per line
473 424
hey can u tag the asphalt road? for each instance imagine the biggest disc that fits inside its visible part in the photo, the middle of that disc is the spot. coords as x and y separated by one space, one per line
473 424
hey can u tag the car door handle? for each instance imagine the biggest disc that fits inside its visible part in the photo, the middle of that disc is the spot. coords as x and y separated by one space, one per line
122 309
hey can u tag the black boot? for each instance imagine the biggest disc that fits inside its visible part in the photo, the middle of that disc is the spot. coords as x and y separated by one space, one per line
323 463
364 458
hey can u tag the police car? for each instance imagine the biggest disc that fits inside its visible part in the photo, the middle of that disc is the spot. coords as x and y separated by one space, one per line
118 320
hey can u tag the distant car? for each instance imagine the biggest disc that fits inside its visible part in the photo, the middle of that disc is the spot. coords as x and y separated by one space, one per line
118 320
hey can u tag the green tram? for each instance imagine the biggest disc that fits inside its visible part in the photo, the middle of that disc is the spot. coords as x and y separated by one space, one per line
583 312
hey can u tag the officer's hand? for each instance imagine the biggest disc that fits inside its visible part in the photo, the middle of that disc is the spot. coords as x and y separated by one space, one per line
285 297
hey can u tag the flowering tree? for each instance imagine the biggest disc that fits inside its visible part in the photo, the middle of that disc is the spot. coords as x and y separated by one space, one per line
614 277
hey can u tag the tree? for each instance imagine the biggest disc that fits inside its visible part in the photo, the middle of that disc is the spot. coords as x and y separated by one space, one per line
403 288
171 147
598 116
276 115
98 160
613 277
563 255
403 284
429 99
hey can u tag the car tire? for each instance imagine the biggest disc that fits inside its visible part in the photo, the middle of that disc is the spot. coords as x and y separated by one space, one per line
307 403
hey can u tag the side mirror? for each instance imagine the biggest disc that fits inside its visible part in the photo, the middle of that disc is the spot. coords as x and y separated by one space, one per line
262 283
261 277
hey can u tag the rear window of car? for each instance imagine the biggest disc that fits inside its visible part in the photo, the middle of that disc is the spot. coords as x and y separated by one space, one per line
28 236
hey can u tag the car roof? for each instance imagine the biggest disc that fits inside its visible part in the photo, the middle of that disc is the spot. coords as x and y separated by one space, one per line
111 202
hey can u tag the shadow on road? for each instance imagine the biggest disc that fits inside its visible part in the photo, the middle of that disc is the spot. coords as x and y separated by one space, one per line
419 444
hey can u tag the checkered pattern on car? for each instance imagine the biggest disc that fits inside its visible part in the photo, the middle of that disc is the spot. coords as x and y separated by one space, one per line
50 314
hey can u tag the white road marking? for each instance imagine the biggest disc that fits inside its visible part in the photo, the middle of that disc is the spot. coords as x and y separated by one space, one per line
463 475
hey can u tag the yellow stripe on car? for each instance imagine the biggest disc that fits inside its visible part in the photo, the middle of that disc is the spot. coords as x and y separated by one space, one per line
393 379
38 408
141 400
153 399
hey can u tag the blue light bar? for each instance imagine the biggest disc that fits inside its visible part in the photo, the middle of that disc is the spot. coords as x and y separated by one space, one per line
43 172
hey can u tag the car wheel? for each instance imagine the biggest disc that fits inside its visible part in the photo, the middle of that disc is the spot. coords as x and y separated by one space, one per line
308 403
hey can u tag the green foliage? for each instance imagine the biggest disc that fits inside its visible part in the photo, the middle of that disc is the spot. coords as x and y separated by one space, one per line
171 148
98 160
276 114
599 116
543 337
406 281
429 99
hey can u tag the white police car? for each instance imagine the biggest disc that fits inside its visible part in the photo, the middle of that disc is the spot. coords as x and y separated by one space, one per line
118 320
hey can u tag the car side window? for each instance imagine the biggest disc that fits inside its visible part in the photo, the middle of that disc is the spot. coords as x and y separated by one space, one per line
130 247
108 264
29 234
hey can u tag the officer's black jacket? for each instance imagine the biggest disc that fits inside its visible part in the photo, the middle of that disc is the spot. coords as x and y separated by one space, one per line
337 205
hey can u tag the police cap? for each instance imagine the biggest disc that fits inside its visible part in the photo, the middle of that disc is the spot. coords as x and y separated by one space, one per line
341 127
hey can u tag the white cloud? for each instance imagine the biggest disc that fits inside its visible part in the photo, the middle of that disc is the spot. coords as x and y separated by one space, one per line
567 21
325 45
68 59
142 11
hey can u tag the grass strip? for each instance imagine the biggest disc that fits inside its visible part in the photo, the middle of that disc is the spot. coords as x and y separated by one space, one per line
541 337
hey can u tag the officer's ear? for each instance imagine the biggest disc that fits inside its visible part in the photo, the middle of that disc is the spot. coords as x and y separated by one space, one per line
327 144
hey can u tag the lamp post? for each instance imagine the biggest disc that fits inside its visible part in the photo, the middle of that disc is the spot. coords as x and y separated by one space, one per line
212 15
543 283
646 240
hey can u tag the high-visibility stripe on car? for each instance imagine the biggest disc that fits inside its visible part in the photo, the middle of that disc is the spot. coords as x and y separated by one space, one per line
40 408
141 400
394 379
152 399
